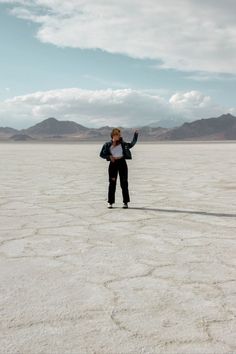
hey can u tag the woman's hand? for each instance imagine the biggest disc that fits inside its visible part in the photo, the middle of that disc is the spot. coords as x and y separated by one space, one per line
112 158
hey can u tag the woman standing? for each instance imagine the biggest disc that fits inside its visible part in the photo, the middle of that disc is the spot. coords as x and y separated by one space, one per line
117 151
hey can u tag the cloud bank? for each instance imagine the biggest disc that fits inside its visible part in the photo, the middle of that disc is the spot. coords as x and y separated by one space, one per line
198 35
126 107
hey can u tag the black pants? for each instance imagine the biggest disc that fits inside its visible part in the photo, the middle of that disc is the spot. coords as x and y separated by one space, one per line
113 169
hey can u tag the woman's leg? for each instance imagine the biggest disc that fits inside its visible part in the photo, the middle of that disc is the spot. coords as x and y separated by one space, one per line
112 171
123 173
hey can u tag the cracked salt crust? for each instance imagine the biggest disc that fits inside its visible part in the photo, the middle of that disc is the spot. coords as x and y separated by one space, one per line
157 278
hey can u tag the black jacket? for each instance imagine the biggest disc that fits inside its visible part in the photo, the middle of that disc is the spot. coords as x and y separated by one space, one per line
106 153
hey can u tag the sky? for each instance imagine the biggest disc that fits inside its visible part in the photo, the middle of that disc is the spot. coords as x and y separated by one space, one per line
124 63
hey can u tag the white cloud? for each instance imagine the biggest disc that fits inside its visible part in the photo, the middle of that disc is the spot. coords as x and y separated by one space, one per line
232 110
195 105
106 107
185 34
204 76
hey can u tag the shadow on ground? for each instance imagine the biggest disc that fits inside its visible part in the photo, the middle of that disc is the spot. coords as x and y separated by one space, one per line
186 212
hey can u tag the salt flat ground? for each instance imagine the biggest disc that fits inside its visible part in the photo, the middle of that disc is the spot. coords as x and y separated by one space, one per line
78 278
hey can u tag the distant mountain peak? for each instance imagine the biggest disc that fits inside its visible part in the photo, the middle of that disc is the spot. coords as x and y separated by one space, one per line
227 115
218 128
52 126
8 130
50 119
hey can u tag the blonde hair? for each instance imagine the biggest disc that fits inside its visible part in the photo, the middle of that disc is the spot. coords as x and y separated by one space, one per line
115 131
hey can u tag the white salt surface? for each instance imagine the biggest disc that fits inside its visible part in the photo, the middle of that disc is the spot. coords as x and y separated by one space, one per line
78 278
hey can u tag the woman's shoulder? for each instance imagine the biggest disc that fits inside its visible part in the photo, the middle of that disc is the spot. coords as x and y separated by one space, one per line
107 143
123 142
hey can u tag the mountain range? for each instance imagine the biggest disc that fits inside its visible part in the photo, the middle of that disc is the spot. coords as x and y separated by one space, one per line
51 129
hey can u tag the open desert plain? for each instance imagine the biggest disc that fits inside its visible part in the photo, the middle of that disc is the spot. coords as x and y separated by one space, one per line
78 278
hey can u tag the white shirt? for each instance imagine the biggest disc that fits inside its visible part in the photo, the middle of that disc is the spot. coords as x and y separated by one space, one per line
116 151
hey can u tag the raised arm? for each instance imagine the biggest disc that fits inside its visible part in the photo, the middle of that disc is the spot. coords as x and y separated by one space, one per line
134 140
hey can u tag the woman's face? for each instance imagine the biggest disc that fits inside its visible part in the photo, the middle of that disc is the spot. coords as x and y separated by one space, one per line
116 137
